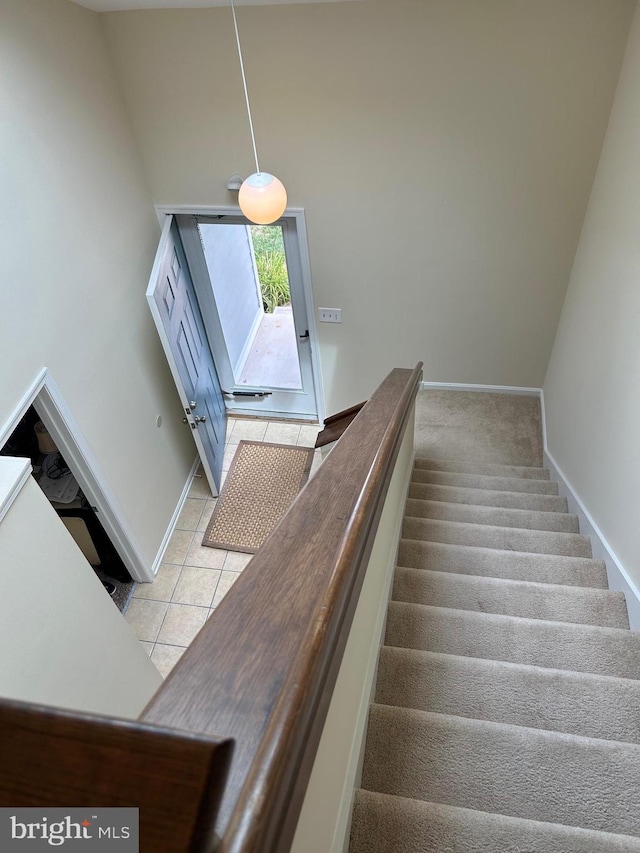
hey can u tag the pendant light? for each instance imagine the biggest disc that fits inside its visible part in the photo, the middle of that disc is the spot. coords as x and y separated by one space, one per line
262 197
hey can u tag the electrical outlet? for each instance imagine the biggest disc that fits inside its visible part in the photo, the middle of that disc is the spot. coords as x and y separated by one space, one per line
330 315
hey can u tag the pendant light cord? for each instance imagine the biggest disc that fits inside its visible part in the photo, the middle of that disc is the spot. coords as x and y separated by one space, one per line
244 83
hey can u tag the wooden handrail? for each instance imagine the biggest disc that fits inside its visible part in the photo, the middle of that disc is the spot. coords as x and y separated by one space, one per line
261 671
336 424
54 758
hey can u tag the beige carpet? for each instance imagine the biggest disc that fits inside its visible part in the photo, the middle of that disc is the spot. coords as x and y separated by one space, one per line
502 428
506 717
262 483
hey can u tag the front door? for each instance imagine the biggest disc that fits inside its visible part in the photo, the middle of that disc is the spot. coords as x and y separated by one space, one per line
174 307
250 289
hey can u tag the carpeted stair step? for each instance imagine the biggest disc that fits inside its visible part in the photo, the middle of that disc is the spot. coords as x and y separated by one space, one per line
554 645
383 823
482 481
506 717
502 538
488 497
495 516
462 467
510 770
552 602
595 706
541 568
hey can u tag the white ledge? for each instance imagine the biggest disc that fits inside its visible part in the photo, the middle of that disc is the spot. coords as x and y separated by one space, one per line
14 473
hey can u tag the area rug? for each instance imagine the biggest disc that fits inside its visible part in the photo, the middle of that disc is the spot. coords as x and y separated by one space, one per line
262 483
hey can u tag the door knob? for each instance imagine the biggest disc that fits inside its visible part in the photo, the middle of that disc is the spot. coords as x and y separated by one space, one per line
200 420
193 404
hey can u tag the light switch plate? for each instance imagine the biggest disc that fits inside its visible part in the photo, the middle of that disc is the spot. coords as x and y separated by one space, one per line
330 315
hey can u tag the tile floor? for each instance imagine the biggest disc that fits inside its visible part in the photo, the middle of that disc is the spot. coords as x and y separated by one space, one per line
167 614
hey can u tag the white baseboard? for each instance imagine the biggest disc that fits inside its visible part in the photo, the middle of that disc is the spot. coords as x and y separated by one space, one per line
543 414
496 389
616 574
174 518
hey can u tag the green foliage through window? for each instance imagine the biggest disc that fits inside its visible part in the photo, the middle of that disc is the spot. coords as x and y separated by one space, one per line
271 262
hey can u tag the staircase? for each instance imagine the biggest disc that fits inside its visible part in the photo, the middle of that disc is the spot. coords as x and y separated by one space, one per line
507 708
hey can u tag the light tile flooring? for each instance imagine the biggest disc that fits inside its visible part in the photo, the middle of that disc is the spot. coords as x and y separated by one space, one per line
167 614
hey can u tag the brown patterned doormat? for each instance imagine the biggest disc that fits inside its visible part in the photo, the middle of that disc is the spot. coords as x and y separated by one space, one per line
262 483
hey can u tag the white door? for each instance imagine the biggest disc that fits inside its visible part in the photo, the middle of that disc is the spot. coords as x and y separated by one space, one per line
262 350
175 309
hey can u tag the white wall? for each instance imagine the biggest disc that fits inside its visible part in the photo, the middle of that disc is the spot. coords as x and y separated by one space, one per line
78 233
443 150
592 386
63 641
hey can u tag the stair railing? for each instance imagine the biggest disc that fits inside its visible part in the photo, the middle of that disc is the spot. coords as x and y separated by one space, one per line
258 678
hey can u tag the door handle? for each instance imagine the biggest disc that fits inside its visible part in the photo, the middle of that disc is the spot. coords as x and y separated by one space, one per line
239 394
200 420
305 336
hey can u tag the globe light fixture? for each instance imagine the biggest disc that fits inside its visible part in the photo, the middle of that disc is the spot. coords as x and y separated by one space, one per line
262 196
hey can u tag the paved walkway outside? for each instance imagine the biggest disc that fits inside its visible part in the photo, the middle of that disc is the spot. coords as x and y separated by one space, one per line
273 359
